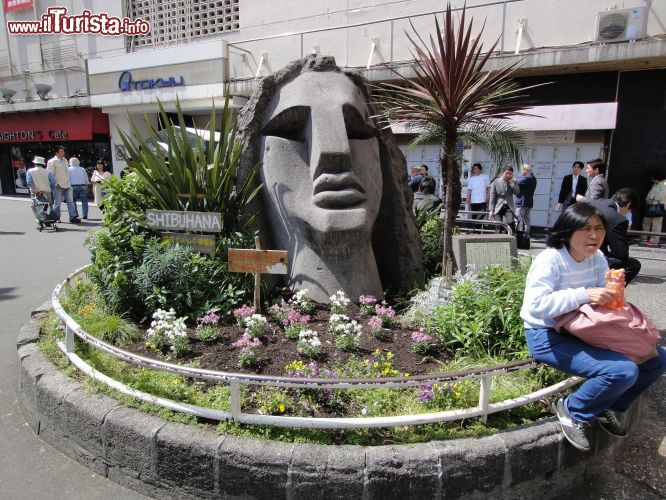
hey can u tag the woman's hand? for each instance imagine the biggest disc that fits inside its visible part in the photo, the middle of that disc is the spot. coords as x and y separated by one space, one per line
599 296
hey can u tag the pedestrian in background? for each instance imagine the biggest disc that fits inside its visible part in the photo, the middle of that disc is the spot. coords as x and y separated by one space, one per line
527 184
415 178
657 194
615 245
99 177
39 180
78 178
502 207
573 184
59 168
597 187
477 191
425 198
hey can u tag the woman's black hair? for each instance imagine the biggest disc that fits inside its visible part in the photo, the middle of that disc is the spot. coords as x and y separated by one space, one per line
572 219
427 185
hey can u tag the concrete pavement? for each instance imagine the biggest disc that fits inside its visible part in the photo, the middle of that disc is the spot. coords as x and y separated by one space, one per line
29 468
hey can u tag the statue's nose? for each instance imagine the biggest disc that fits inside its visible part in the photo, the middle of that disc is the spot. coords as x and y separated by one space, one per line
329 146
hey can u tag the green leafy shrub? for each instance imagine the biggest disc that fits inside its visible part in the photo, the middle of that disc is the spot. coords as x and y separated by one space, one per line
481 316
134 271
109 327
207 333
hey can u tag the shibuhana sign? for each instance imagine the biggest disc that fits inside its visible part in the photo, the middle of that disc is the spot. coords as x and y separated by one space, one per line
170 220
243 260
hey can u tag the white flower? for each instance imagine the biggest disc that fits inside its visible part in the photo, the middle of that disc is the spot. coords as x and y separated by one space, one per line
254 321
338 318
339 299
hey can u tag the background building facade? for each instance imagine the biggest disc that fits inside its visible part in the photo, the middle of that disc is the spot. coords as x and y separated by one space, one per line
604 61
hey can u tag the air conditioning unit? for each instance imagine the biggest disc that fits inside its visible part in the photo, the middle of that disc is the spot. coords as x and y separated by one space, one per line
621 25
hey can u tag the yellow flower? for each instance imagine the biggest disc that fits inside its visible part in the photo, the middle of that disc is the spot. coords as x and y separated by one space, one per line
375 364
389 355
281 408
457 394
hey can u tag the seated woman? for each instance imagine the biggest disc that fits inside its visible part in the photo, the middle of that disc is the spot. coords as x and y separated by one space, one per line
425 198
569 273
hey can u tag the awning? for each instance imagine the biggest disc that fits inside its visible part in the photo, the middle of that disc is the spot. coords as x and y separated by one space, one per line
596 116
55 125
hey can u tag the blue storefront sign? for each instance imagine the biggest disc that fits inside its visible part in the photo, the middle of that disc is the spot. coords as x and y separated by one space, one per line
127 83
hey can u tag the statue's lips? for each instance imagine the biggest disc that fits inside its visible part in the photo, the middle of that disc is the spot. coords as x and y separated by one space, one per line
335 191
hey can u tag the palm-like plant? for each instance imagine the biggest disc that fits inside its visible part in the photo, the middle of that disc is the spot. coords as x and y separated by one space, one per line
451 94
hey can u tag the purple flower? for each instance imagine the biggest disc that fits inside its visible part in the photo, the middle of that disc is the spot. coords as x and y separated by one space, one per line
244 311
384 310
375 323
209 319
421 337
367 300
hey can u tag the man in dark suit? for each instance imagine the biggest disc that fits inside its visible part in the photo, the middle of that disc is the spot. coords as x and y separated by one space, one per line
597 187
525 200
572 185
616 244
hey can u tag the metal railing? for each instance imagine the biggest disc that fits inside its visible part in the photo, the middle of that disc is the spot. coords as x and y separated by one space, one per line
289 46
236 380
461 222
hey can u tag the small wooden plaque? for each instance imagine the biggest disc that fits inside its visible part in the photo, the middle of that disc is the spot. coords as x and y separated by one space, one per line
242 260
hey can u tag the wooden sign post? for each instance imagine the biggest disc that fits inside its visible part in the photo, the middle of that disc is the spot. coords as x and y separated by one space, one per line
258 261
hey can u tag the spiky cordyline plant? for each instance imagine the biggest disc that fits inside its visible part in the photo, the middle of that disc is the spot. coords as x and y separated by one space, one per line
451 93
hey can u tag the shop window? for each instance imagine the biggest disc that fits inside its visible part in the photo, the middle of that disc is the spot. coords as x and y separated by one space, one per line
178 21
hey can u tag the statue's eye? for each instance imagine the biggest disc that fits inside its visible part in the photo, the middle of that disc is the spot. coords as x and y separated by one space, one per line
288 124
357 127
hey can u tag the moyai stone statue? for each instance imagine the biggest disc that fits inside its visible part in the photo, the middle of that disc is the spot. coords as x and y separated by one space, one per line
335 191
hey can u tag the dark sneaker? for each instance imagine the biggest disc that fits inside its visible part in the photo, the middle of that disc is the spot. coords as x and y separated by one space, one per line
610 423
572 430
74 220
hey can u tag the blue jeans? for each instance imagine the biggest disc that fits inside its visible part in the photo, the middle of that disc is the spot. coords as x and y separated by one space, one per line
58 194
613 380
80 193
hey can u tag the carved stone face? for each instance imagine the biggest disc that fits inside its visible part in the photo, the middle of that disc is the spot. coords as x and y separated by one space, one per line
321 167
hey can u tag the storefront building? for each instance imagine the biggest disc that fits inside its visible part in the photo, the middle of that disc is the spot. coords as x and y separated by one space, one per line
129 89
84 132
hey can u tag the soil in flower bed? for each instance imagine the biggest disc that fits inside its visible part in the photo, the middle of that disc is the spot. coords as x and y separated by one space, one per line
277 350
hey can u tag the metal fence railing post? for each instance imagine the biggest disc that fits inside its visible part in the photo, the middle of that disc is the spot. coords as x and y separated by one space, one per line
484 397
235 399
69 339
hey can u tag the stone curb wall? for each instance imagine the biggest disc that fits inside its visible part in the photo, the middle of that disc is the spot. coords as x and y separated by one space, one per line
171 460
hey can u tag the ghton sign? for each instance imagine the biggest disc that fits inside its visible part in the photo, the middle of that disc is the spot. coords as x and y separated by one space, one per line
168 220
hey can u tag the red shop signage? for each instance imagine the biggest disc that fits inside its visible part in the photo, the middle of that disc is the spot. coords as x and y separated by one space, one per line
53 126
11 5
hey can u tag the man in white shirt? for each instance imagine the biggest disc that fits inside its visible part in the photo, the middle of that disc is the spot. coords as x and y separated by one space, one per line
477 191
78 178
59 167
